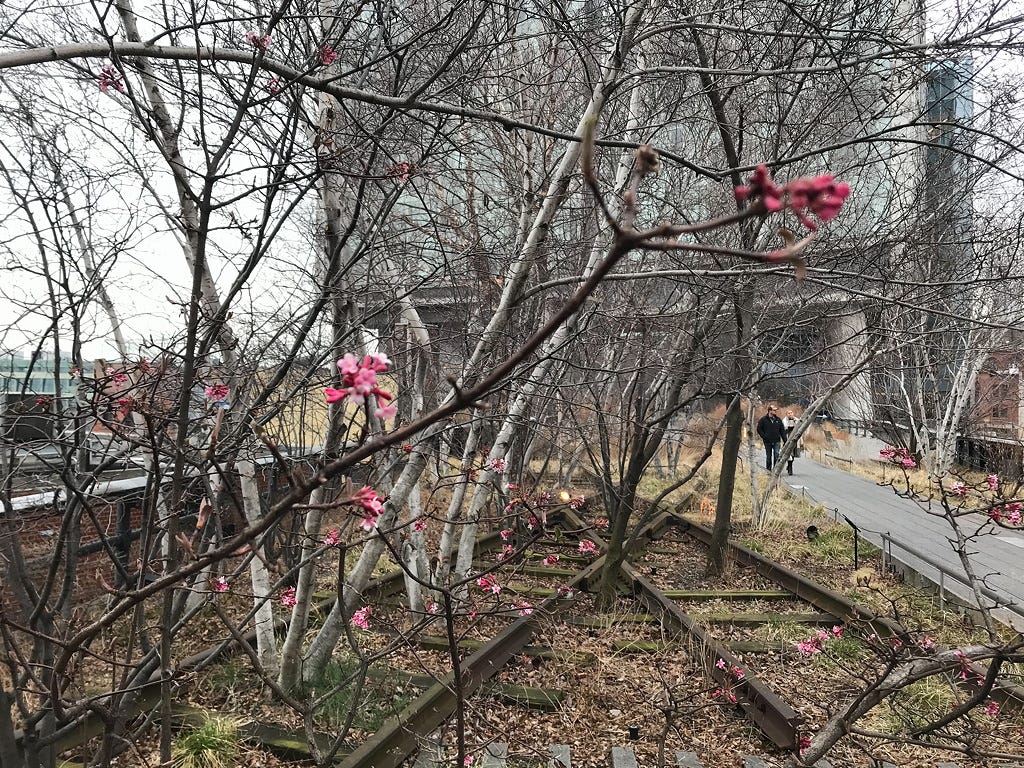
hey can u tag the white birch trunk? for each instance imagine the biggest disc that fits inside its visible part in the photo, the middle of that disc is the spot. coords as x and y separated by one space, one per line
262 583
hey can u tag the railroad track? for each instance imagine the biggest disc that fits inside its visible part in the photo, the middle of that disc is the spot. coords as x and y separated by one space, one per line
405 734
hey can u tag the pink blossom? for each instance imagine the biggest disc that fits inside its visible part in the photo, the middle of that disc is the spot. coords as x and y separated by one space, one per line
819 196
328 55
488 584
525 609
587 547
551 560
361 618
992 709
805 743
258 41
110 78
958 489
899 456
288 598
333 538
334 395
993 482
965 665
420 524
601 523
120 378
433 608
577 501
372 506
512 486
359 380
506 534
816 642
724 694
927 643
532 522
220 584
564 591
737 672
402 170
43 401
837 631
467 760
406 448
274 86
506 552
498 465
217 392
721 664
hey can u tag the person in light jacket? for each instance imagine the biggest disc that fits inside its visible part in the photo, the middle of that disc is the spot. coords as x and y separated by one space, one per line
789 424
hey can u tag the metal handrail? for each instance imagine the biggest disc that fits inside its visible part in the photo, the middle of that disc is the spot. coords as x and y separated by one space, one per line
1001 601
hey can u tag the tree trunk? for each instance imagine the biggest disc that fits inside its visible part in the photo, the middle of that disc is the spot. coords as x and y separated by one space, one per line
266 643
726 485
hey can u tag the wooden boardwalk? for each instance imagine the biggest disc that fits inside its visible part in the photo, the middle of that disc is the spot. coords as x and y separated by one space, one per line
877 510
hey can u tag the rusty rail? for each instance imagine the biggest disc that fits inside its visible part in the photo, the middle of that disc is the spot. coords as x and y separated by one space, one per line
826 600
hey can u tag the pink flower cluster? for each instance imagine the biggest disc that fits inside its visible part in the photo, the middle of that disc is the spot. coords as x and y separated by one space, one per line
361 618
217 392
43 401
288 598
993 482
736 672
258 41
402 170
1010 513
899 456
725 694
601 523
587 547
498 465
966 672
359 380
819 196
816 642
525 609
551 560
328 56
992 709
110 78
372 505
220 584
958 489
488 584
333 538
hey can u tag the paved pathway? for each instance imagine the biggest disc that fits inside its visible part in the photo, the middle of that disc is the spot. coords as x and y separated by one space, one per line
878 510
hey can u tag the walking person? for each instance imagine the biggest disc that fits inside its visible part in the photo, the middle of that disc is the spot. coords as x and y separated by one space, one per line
771 431
789 424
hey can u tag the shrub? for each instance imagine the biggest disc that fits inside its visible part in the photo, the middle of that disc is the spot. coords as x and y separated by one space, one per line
211 744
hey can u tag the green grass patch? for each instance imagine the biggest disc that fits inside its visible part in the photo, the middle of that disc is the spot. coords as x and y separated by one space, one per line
213 743
373 702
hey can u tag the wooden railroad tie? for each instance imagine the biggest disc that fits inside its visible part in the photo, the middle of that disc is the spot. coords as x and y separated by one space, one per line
727 594
540 699
544 653
736 646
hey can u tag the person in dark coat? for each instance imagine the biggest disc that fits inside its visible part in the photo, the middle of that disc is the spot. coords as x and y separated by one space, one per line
772 432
